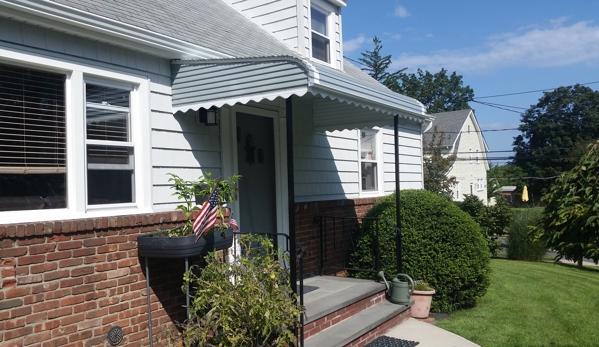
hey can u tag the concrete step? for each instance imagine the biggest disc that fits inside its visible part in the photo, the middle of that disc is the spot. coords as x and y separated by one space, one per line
348 312
362 327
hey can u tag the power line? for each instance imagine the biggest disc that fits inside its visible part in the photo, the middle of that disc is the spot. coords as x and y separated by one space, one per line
533 91
522 178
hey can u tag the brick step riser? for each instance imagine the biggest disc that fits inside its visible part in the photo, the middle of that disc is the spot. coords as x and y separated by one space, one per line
342 314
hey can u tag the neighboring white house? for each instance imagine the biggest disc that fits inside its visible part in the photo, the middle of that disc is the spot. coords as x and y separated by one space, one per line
464 139
127 87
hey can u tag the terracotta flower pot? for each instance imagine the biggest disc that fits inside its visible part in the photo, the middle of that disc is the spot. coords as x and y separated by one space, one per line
422 303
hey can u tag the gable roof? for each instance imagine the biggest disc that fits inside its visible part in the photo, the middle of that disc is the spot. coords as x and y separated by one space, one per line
449 122
212 33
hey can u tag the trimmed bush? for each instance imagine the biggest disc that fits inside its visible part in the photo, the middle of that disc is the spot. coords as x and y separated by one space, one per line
442 245
521 245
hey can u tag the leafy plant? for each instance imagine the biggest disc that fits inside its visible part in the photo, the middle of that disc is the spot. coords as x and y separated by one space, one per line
441 245
493 220
248 302
422 285
521 245
570 222
188 191
436 165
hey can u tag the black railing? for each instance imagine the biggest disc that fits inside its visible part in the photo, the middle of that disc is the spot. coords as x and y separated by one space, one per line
283 243
338 243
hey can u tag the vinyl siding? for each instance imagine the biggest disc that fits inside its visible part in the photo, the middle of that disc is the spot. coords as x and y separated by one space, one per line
279 17
467 172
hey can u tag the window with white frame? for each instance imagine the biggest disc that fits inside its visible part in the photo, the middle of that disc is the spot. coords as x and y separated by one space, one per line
321 42
470 154
47 163
109 147
480 185
457 190
477 156
33 163
369 160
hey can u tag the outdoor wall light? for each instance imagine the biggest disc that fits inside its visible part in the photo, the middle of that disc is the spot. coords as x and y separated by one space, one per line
208 116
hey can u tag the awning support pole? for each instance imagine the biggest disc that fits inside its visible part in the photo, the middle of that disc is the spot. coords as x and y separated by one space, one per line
397 194
291 193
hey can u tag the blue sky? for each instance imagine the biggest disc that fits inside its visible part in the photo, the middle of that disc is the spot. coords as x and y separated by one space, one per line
499 47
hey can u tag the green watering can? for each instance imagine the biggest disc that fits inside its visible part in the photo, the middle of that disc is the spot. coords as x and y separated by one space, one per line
399 292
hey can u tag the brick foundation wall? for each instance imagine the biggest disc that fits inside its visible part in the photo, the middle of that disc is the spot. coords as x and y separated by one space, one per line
67 283
308 234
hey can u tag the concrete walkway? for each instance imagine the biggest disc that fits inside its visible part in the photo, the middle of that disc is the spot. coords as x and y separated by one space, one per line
428 335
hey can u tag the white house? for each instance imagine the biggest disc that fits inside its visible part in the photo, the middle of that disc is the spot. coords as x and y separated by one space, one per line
464 139
99 100
259 65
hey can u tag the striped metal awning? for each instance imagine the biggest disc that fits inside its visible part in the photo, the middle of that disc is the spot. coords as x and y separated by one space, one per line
341 101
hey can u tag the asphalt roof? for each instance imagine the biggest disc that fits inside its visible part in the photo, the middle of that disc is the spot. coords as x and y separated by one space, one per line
230 32
449 122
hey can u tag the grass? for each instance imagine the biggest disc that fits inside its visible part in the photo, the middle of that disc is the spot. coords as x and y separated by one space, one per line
537 304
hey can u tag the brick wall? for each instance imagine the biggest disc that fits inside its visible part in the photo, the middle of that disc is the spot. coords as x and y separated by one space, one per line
67 283
308 234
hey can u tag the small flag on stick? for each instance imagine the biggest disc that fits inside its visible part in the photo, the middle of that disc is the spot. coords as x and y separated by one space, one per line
205 220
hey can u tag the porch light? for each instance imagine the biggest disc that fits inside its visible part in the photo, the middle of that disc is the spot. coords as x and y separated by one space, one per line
208 116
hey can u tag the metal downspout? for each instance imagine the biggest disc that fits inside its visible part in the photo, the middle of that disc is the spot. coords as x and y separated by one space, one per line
397 195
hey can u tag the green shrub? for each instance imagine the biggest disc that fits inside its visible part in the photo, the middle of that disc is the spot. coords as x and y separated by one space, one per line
521 245
442 245
246 303
493 220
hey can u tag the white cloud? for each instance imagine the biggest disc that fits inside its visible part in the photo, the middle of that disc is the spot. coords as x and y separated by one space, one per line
429 35
401 12
396 36
535 48
353 44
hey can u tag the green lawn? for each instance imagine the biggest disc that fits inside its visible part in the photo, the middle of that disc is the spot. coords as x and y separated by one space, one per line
533 304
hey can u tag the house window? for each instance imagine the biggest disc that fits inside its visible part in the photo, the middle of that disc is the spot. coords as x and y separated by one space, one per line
108 145
480 185
477 156
32 139
321 43
369 160
470 153
457 190
74 140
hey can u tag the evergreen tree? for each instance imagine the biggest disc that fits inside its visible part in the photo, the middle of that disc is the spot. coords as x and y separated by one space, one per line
377 65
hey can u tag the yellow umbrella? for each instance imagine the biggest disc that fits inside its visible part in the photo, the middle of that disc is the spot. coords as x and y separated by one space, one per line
525 194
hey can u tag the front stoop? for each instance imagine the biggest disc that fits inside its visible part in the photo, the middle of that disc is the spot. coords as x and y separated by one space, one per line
348 312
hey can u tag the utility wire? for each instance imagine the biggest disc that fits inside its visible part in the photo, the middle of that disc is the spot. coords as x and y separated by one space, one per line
533 91
522 178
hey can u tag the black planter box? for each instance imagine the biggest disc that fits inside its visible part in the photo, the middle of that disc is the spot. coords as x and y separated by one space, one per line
153 246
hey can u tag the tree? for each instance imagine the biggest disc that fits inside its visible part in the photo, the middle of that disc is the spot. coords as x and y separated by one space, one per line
493 220
438 92
570 222
554 131
437 165
377 65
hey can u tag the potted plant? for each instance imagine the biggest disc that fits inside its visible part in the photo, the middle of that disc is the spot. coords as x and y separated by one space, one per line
423 297
247 302
181 241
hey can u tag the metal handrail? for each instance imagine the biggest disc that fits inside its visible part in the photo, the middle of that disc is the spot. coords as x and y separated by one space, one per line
328 232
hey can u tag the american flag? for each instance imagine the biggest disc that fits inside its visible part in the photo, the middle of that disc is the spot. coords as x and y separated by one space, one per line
234 224
205 220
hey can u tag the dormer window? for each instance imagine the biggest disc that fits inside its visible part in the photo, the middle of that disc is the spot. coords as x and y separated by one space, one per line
321 44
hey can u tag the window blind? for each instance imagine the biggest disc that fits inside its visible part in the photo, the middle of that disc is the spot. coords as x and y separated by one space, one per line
32 121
